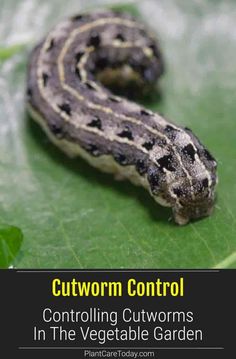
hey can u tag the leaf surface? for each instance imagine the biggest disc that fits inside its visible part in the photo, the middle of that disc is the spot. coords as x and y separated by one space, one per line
10 242
73 216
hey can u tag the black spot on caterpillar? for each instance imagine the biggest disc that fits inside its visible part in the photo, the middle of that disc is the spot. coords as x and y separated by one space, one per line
93 149
29 92
149 144
79 55
189 151
94 39
96 122
166 163
205 183
145 112
114 99
51 45
77 17
120 37
45 78
154 180
112 133
65 107
126 133
141 167
121 159
77 71
89 85
178 191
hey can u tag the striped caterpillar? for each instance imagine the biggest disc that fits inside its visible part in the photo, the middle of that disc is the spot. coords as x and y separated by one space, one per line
67 96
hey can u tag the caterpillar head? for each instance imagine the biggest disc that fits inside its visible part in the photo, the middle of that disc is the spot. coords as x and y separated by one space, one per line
195 201
185 179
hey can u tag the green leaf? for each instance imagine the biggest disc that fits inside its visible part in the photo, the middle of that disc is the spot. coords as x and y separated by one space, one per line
10 243
73 216
7 52
129 8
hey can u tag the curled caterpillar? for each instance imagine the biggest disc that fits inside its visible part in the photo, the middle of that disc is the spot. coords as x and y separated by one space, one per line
67 96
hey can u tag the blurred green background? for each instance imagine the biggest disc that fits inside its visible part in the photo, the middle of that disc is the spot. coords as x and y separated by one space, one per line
58 212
